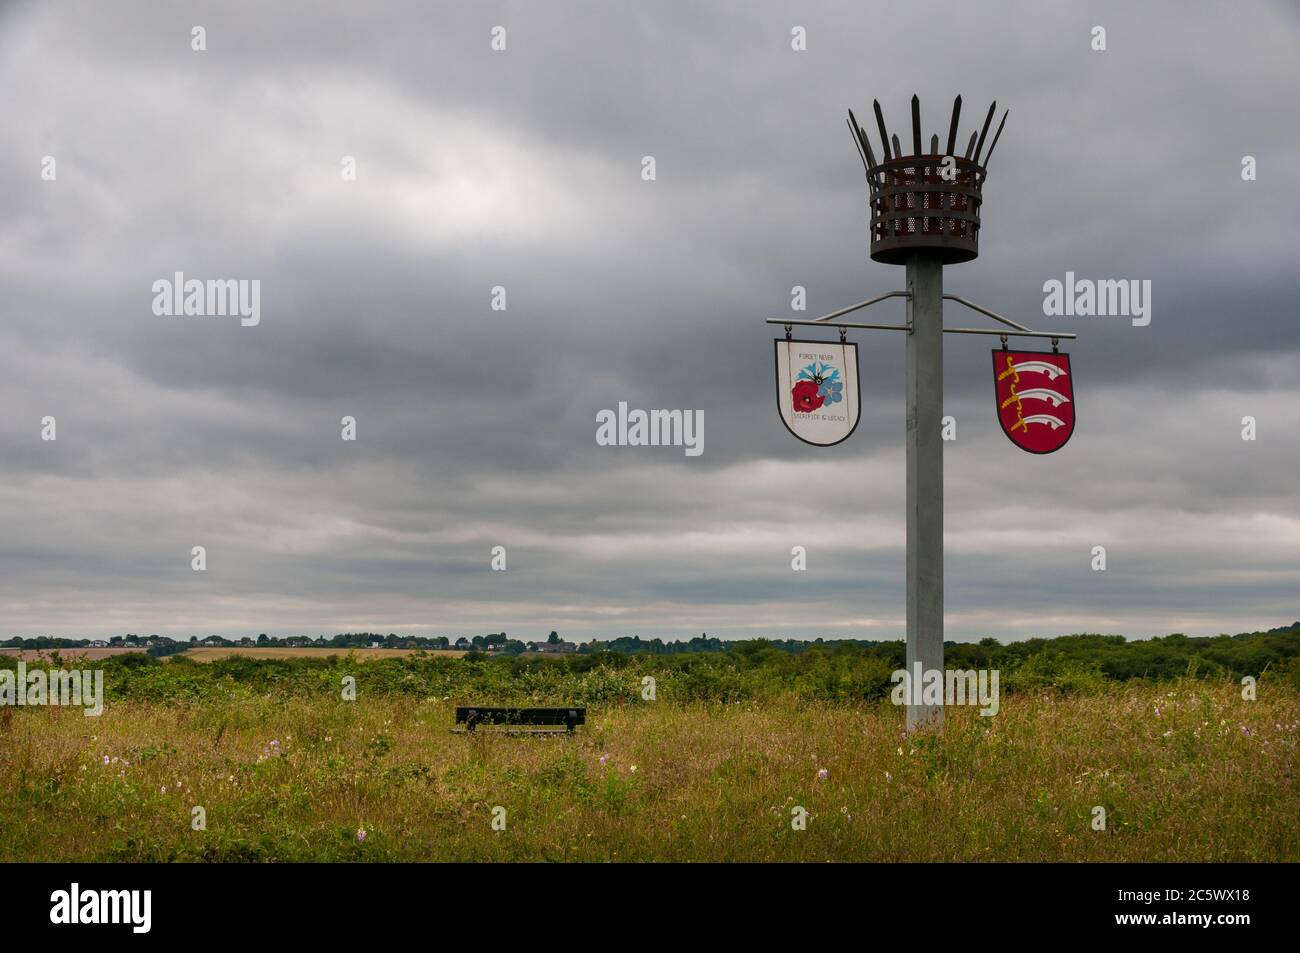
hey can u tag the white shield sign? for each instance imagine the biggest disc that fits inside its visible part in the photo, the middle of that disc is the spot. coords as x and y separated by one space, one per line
817 389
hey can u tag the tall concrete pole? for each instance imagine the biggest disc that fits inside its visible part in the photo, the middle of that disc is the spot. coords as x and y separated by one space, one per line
924 478
925 213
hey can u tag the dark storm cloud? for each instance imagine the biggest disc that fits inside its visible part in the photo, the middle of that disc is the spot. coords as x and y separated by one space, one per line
521 169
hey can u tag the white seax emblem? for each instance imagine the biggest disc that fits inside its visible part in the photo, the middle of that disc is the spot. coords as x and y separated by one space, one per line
1048 419
1037 393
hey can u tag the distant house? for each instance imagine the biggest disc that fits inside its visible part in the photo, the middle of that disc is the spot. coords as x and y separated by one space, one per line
213 640
376 645
98 644
297 641
557 646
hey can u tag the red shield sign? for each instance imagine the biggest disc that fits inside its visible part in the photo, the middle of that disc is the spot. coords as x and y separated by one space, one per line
1035 398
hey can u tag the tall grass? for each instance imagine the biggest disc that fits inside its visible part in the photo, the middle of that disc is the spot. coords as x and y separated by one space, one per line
288 771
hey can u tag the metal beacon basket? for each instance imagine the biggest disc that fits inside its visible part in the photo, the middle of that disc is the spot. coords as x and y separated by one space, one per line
927 201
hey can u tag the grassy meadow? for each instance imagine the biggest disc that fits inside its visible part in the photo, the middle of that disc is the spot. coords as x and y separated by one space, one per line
711 770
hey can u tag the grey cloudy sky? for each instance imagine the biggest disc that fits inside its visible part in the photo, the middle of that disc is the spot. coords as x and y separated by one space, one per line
522 169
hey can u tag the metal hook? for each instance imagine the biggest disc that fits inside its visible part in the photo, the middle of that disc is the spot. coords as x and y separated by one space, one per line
1004 341
844 335
1056 345
788 335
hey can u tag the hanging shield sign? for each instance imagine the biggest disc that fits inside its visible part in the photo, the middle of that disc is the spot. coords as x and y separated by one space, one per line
817 389
1035 398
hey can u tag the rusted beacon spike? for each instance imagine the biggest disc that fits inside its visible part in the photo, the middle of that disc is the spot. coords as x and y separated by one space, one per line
853 123
884 136
952 129
916 125
863 138
866 142
995 138
985 131
858 145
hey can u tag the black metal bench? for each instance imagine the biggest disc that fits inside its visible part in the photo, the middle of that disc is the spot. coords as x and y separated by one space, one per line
532 721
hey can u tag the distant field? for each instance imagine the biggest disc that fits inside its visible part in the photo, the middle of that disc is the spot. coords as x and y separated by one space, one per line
88 653
212 654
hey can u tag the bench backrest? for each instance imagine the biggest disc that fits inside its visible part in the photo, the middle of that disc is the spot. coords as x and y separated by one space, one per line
521 716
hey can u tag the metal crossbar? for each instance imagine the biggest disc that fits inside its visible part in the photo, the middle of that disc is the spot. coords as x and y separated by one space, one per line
828 320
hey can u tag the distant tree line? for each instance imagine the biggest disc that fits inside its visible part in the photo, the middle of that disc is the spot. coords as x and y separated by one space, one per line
163 645
635 645
1108 656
